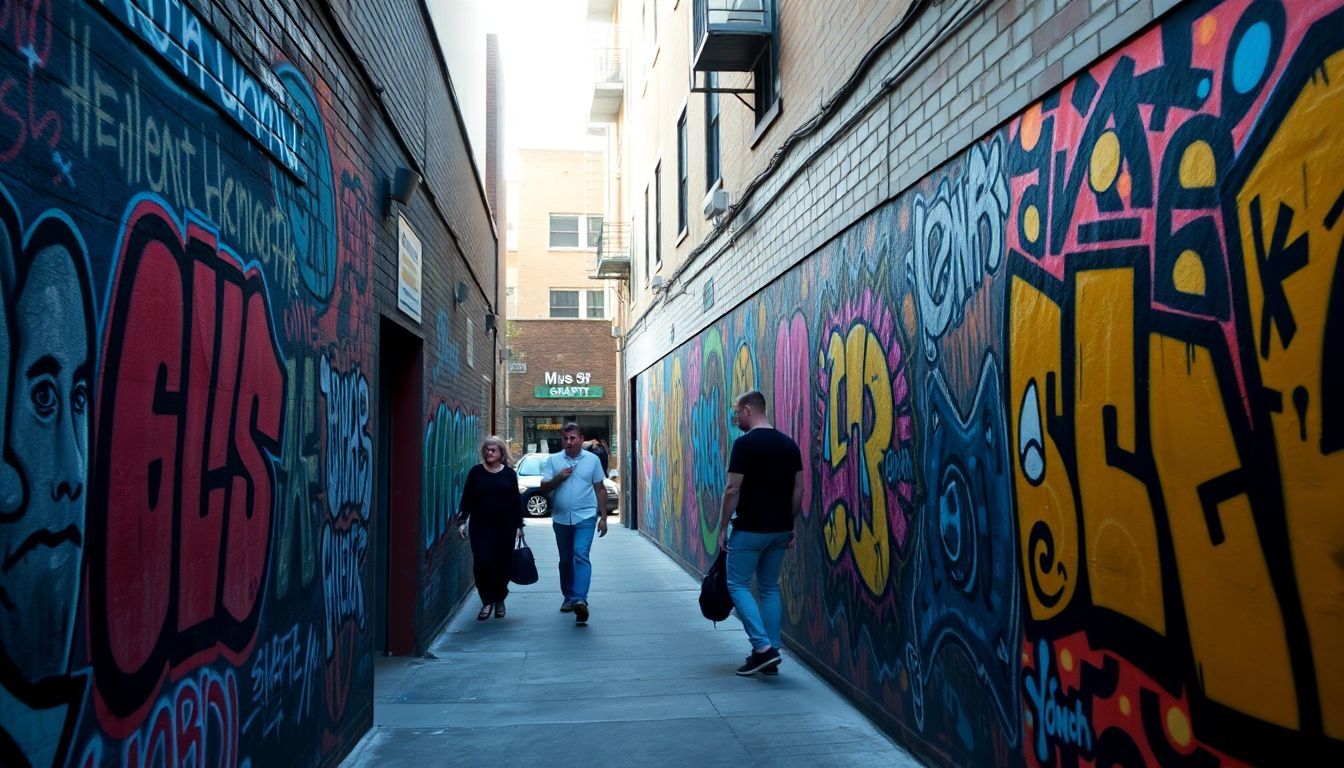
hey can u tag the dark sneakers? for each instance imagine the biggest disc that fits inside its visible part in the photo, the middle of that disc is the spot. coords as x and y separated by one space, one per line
760 662
567 607
580 612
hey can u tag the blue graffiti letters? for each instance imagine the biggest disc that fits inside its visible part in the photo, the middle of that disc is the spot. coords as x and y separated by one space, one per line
1055 718
958 239
343 553
349 446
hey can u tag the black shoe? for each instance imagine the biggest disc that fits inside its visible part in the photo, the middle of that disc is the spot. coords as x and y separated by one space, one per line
567 607
770 671
580 612
759 661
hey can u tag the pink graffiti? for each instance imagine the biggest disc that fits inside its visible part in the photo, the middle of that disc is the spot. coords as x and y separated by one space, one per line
793 409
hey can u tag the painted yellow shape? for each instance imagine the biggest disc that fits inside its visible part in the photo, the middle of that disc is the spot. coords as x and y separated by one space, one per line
1205 29
1229 600
1105 162
1188 273
1197 169
1124 705
744 372
1035 344
1122 560
1031 223
1178 725
1066 660
1307 138
1030 128
859 365
676 468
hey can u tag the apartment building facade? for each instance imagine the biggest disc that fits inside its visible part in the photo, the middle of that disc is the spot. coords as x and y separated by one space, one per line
1006 269
562 350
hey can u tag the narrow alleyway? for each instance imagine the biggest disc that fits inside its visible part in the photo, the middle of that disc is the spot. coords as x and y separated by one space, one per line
647 682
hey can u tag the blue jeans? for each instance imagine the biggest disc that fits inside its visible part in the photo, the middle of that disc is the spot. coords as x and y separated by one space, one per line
762 555
576 570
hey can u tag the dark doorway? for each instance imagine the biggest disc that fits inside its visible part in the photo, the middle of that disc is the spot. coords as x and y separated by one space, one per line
630 469
400 445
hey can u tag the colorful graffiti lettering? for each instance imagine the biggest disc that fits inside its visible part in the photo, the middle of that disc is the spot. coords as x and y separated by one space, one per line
958 239
451 439
349 455
867 416
195 724
188 540
1111 530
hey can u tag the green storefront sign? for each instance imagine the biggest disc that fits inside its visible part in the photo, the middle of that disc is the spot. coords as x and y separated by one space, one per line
581 392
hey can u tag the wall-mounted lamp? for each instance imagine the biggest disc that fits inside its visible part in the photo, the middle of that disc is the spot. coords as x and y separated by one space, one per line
491 320
460 292
400 189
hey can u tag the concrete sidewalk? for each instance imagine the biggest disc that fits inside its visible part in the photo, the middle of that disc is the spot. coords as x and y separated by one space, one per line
647 682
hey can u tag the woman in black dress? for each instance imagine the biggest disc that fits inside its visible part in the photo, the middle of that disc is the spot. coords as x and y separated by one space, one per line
492 510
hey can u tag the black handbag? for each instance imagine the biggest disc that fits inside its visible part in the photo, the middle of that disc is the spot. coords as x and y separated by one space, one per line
523 569
715 602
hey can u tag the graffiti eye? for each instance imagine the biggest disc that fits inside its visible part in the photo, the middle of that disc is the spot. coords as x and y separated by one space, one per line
79 399
44 398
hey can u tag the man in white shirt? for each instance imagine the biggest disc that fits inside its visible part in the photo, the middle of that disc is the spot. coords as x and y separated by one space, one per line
578 506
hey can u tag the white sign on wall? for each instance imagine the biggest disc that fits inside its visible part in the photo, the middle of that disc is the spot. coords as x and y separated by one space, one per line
408 269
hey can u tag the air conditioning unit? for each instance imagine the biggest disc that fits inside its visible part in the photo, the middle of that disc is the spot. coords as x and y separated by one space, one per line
716 202
657 283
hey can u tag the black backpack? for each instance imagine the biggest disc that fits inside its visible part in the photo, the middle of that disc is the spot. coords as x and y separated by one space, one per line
715 602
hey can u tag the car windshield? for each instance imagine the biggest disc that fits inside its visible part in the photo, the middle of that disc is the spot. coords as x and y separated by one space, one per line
531 465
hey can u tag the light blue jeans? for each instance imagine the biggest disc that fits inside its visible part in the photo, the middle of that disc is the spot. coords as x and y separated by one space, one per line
576 570
762 555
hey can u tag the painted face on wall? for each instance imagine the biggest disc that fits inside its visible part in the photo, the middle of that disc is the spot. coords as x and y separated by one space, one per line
49 388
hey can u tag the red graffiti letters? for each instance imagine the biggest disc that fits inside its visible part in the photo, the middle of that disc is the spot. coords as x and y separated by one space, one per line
190 410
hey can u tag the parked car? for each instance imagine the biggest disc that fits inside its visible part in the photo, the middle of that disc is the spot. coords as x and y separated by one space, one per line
538 504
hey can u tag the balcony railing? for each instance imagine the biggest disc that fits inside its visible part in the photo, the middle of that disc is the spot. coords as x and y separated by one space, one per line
729 35
608 69
608 86
613 252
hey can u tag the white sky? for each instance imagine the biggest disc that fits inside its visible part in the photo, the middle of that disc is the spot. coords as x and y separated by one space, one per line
548 74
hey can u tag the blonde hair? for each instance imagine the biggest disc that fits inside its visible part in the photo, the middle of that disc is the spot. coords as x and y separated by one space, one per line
503 447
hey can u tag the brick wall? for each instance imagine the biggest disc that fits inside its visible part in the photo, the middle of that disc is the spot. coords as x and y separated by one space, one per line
976 64
201 232
564 346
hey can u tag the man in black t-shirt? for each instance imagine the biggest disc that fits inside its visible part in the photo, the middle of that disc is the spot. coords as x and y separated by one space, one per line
765 487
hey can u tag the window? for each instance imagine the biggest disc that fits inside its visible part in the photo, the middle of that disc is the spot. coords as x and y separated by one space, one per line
712 171
658 215
597 305
575 303
564 231
569 230
648 234
564 303
767 73
683 173
594 230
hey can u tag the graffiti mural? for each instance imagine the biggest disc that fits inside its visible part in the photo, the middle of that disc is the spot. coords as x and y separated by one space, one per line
188 496
1073 430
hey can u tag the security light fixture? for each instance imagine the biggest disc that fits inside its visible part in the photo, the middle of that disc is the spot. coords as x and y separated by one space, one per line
400 188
